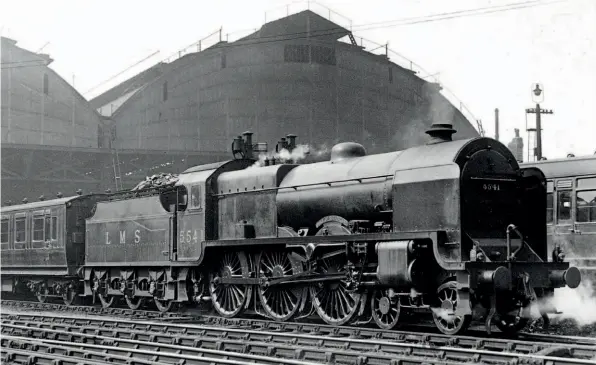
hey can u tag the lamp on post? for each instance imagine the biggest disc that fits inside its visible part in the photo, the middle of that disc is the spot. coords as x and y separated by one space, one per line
538 97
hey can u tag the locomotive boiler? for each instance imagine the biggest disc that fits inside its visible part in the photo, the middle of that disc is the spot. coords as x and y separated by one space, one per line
453 227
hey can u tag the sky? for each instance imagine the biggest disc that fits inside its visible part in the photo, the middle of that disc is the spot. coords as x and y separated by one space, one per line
488 61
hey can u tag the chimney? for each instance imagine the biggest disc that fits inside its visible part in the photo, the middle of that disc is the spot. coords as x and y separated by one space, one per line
440 132
497 124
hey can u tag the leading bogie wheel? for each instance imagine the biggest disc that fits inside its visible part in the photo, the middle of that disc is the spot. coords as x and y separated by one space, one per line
333 301
229 299
280 302
444 316
385 309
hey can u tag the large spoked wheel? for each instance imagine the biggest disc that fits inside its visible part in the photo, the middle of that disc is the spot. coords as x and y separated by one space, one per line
510 323
332 300
42 294
133 302
385 309
229 299
444 316
280 302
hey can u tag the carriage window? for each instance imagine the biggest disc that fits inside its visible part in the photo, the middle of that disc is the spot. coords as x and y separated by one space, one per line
550 207
54 228
589 183
564 205
48 229
38 228
586 206
20 230
195 196
4 234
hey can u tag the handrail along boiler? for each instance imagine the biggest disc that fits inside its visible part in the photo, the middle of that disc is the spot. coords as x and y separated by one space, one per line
455 227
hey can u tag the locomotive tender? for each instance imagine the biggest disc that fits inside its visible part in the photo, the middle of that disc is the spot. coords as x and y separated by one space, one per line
452 226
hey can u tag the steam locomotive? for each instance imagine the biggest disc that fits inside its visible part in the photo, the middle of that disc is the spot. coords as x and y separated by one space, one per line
454 227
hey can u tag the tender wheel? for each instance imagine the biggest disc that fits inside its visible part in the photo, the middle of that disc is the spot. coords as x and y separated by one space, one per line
42 294
385 309
509 323
69 296
134 303
229 299
332 300
163 305
279 302
444 316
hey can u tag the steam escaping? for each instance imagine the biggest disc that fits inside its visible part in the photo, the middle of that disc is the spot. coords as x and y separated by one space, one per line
577 304
298 154
444 314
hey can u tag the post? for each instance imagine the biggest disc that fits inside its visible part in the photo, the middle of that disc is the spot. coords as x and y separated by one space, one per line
538 134
497 124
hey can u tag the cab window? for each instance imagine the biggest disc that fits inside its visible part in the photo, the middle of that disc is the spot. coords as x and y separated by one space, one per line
586 206
195 196
564 205
4 224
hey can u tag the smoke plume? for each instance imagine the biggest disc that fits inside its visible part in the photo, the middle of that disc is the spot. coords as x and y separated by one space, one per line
298 154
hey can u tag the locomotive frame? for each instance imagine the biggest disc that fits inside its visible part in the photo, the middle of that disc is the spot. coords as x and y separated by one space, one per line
450 226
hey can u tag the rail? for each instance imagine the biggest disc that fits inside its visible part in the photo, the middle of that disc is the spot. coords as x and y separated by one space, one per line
206 330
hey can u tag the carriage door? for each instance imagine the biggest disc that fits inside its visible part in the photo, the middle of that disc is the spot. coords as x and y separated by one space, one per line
585 221
564 228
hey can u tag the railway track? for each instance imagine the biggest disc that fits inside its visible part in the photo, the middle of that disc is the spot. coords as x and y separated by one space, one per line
98 310
477 338
285 344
